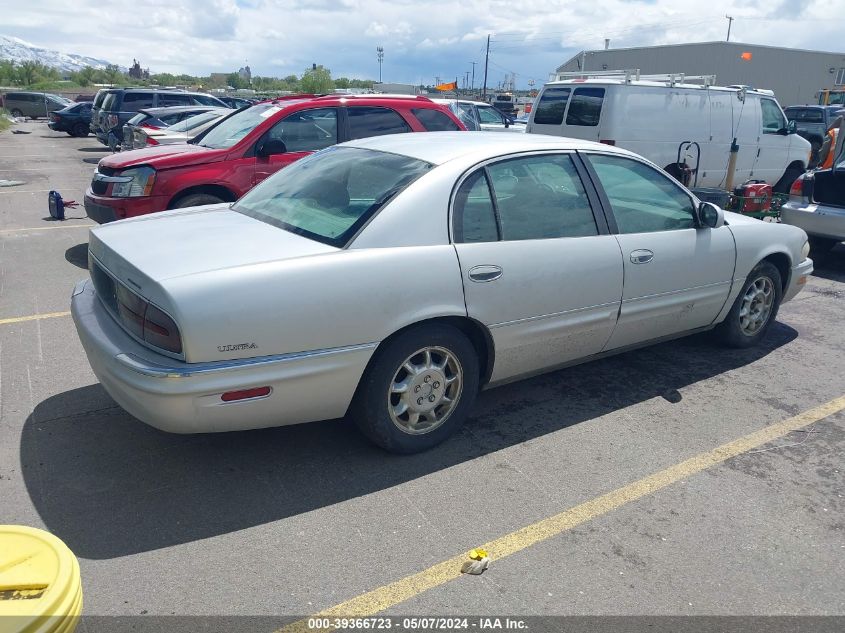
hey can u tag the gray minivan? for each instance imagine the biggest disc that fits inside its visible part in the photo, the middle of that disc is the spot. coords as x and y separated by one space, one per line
34 104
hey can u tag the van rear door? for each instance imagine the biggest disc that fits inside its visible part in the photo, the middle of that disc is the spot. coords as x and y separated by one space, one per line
548 112
573 111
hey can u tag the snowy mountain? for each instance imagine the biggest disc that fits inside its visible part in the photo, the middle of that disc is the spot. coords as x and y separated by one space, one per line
19 51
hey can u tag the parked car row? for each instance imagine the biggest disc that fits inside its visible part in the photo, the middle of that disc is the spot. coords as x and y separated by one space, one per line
35 105
114 107
230 157
157 119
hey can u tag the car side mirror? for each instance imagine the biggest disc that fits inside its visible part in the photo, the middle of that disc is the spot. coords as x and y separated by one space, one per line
507 122
791 127
709 215
270 147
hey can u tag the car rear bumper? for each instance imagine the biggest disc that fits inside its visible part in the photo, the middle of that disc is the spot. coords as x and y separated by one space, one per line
103 209
186 397
817 220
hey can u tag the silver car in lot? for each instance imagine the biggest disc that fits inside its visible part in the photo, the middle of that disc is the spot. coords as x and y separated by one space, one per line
180 132
391 278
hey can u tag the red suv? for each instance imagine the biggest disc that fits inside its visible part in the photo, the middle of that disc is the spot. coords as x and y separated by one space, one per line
247 146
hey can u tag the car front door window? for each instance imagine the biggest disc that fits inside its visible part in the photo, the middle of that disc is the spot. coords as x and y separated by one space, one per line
642 199
773 121
489 115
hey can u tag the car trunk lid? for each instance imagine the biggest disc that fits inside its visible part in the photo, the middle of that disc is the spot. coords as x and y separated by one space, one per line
192 241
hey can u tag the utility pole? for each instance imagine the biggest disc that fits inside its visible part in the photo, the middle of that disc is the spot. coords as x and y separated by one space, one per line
380 53
466 80
730 22
486 61
472 83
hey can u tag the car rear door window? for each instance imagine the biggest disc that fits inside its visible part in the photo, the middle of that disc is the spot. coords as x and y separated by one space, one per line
474 215
551 106
134 101
307 130
541 197
585 107
206 100
773 120
643 200
435 120
366 121
166 100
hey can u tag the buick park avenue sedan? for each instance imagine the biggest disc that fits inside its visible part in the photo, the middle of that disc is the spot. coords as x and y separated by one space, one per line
391 278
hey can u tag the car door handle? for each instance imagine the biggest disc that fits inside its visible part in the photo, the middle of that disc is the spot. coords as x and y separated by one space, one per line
641 256
485 273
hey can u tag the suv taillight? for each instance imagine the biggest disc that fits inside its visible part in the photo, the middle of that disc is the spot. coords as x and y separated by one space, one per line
151 141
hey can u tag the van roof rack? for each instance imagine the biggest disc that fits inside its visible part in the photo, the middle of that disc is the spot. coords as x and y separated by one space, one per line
670 79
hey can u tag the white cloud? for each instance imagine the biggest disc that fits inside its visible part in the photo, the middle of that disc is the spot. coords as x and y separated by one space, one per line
421 39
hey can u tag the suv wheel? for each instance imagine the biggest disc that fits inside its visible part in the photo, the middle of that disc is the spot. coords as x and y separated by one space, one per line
197 200
17 113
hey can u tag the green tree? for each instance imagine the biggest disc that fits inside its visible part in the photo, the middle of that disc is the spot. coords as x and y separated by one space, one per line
342 82
28 73
113 75
8 72
84 77
317 80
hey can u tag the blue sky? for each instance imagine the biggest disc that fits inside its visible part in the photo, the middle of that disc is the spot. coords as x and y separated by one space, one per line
422 41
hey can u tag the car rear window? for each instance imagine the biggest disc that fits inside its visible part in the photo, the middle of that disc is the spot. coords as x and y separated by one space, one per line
551 106
195 121
585 107
366 121
435 120
328 196
109 101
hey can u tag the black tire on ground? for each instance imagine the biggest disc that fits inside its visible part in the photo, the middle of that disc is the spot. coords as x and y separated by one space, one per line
197 200
370 407
17 113
731 331
821 245
80 130
789 176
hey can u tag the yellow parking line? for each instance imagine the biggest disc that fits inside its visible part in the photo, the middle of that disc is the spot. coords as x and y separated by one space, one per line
396 592
34 317
48 228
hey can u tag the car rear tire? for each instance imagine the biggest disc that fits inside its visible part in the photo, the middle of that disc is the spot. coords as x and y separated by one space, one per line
197 200
80 130
789 176
17 113
754 309
418 389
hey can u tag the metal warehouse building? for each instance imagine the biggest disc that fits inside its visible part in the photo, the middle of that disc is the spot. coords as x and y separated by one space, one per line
795 75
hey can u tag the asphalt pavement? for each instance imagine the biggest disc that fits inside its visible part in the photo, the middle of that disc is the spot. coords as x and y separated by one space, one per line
292 521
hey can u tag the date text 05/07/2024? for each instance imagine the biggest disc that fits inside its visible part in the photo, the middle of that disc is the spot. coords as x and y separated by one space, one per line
417 623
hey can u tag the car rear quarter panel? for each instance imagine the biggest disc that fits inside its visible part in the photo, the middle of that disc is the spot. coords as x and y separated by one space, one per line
347 297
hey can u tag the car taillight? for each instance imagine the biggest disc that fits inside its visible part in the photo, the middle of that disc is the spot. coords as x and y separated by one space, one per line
150 126
797 188
54 117
146 321
607 142
160 330
151 141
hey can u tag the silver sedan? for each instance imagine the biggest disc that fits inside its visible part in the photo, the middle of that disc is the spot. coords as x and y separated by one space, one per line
391 278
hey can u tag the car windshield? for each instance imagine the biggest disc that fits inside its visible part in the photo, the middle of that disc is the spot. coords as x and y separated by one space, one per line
195 121
329 195
233 129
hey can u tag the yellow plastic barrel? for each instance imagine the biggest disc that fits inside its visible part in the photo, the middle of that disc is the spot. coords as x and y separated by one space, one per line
40 586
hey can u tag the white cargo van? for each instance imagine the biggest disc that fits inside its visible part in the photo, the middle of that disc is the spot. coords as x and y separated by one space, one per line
652 117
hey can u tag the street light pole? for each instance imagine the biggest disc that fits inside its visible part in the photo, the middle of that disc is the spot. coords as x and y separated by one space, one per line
730 23
472 83
380 53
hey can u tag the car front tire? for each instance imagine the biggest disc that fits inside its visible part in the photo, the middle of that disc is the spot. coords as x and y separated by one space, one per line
755 309
80 130
17 113
197 200
418 390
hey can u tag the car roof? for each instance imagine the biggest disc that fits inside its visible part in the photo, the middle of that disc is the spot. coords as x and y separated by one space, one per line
440 147
175 109
366 99
448 101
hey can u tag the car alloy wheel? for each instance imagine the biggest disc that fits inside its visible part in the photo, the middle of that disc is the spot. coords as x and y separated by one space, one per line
425 390
756 308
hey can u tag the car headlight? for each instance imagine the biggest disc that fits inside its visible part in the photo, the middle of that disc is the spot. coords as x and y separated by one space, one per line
805 250
134 183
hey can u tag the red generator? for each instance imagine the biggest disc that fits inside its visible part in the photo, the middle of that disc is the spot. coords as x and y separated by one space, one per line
753 196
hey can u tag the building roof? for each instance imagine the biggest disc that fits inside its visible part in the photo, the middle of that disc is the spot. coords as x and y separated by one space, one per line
718 43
